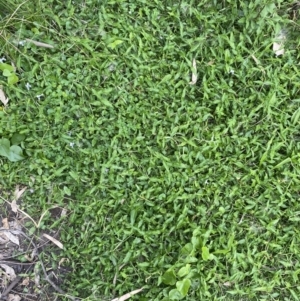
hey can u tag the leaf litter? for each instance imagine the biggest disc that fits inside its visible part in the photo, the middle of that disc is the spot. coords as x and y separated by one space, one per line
19 253
12 297
3 98
9 272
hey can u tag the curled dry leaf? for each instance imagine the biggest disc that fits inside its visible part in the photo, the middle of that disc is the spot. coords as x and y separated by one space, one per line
128 295
194 73
14 206
55 241
3 98
25 281
62 261
19 192
5 224
10 272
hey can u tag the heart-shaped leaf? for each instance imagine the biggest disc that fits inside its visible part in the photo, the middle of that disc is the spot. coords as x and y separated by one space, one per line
183 286
174 294
12 79
184 270
6 72
169 277
15 153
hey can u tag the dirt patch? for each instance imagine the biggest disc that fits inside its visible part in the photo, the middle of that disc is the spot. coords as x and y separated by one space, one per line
27 270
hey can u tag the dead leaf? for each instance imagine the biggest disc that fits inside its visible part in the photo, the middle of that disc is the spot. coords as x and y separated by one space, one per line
55 241
227 283
194 73
19 192
15 225
128 295
10 272
27 257
3 98
39 44
3 239
12 237
63 212
278 49
39 222
255 60
12 297
25 281
278 45
14 206
5 223
62 261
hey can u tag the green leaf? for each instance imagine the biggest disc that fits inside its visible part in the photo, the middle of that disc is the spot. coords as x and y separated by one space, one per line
102 99
74 175
283 162
197 242
184 270
4 66
169 277
205 253
106 102
268 9
13 79
225 251
17 138
114 44
174 294
15 153
296 116
4 147
183 286
190 259
6 72
187 249
67 191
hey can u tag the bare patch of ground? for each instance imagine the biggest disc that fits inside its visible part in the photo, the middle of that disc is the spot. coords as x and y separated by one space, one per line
27 270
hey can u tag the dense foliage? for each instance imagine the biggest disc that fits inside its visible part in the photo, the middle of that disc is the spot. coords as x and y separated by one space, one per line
173 187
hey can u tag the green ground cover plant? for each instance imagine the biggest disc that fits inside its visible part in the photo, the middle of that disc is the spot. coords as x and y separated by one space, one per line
189 190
